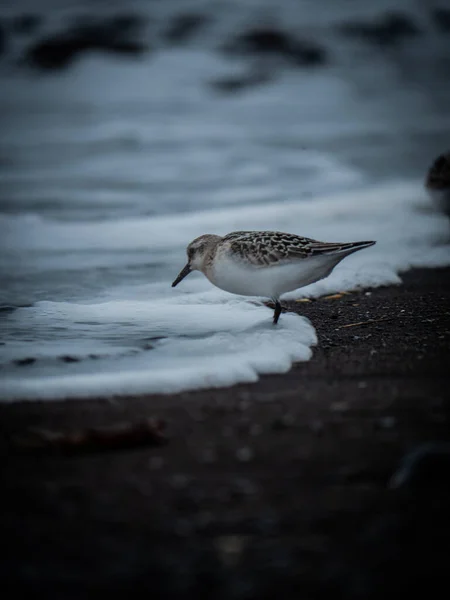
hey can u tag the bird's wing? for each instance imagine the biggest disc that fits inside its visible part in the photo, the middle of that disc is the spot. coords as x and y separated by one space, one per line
269 248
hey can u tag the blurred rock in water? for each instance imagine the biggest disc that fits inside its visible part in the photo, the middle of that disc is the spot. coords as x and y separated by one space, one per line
183 27
388 30
26 24
270 41
119 34
441 18
239 83
438 182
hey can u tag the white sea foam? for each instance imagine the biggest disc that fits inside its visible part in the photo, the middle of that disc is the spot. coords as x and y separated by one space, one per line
205 345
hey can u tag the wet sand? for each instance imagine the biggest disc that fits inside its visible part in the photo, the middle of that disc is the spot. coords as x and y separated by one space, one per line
279 488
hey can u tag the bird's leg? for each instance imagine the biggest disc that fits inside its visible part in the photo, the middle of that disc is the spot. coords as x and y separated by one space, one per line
277 312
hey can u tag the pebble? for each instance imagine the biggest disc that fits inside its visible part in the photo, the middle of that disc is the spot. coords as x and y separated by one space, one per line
339 406
255 429
227 431
243 405
156 462
387 422
179 481
183 527
284 421
244 454
230 548
204 519
245 487
245 396
209 456
316 426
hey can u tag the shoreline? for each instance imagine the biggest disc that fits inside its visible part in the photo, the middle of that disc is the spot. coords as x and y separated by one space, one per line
282 481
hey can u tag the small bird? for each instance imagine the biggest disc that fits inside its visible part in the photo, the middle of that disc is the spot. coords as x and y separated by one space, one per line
437 183
264 263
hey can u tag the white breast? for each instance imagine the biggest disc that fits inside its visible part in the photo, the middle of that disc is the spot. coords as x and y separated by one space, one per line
270 282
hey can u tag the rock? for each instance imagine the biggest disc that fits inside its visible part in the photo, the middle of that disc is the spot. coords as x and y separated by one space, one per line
339 406
26 24
239 83
208 456
8 309
425 467
316 426
255 429
23 362
307 54
244 454
437 183
183 27
156 463
274 42
117 34
283 421
441 19
388 422
69 359
388 30
243 487
179 481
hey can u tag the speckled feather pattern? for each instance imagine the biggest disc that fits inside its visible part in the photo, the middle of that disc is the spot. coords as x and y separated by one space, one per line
269 248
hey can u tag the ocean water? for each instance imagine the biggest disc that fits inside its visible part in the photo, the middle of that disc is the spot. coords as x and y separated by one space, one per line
111 166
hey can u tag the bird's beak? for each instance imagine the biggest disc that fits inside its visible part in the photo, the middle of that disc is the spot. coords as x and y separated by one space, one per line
187 269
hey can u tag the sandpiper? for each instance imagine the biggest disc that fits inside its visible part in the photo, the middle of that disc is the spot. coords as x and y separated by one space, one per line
264 263
437 182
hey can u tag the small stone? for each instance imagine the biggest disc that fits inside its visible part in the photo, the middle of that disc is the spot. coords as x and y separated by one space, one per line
316 426
387 422
69 359
183 527
229 548
22 362
156 462
245 396
204 519
284 421
243 405
255 429
244 454
245 487
209 456
339 406
227 431
179 481
362 385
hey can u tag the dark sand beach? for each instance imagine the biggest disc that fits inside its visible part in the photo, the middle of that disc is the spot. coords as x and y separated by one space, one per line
282 488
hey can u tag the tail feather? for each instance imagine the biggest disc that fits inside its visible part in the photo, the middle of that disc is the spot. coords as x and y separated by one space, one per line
337 248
